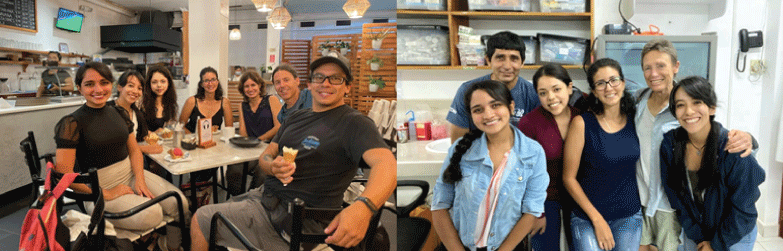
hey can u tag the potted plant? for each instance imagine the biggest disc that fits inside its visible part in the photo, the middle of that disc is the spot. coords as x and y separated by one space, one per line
375 63
343 47
325 47
377 38
376 83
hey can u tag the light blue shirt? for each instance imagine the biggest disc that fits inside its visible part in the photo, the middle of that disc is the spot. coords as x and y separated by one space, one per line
664 122
522 189
305 101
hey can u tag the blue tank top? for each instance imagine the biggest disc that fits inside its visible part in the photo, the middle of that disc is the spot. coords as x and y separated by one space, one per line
259 122
607 172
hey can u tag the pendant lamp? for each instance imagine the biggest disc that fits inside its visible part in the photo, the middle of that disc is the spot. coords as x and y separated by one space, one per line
279 18
264 5
356 8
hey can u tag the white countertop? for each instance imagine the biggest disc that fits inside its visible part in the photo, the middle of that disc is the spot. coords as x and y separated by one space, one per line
413 160
51 105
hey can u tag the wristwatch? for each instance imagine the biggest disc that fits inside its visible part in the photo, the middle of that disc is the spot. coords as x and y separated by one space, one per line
367 203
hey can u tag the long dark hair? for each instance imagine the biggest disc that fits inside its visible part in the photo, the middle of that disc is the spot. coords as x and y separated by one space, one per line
697 88
498 91
123 81
200 92
627 105
169 100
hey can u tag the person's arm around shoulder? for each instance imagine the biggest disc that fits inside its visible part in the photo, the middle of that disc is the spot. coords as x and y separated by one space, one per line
275 106
574 145
532 202
348 228
743 177
228 114
741 142
190 103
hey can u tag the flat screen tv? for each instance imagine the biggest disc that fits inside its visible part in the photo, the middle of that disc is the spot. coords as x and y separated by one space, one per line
69 20
697 55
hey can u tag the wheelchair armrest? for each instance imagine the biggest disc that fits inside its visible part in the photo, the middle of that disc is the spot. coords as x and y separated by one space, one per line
49 157
231 227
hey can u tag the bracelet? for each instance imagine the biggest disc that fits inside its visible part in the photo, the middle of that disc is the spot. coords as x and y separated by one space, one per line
542 216
367 203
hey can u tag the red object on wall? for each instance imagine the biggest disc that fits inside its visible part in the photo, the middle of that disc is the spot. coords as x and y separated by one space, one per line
272 58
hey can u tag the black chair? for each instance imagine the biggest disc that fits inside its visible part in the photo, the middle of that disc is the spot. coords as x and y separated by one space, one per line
91 179
301 212
33 160
232 228
412 232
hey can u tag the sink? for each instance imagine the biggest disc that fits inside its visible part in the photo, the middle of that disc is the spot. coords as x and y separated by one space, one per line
439 146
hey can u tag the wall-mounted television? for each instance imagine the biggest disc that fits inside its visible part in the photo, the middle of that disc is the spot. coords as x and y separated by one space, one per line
69 20
697 55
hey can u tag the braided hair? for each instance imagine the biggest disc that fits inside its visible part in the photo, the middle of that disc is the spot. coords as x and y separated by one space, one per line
497 91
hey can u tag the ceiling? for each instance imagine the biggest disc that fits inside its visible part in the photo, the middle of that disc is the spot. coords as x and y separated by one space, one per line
293 6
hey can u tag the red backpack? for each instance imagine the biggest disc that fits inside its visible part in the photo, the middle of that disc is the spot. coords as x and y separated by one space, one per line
43 229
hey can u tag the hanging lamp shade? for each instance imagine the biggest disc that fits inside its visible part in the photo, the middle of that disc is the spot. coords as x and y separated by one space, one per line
235 34
356 8
279 18
264 5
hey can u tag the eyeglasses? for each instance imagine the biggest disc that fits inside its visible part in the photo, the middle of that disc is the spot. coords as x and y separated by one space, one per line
320 78
600 85
210 80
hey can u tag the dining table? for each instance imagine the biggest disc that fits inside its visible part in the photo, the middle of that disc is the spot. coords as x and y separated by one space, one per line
222 153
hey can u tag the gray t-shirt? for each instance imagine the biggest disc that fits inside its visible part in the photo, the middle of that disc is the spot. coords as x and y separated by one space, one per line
330 144
51 80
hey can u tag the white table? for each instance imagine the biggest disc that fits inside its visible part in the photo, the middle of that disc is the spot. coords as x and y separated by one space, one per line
221 154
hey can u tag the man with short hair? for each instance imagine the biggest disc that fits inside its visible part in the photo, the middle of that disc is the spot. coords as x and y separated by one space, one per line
287 86
54 81
506 56
331 139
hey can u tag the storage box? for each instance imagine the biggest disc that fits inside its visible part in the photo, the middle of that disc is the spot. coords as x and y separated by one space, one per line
562 5
423 45
471 54
561 49
507 5
421 4
531 47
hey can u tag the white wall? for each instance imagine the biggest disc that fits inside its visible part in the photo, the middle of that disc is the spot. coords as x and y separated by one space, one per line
87 42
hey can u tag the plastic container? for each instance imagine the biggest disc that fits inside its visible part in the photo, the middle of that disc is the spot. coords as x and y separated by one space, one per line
423 45
506 5
561 49
421 4
562 5
471 54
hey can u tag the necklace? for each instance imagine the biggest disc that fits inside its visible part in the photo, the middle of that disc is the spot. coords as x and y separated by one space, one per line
698 149
607 124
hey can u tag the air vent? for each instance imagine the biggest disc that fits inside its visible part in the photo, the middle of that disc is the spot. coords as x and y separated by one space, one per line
343 23
261 26
307 24
231 27
381 20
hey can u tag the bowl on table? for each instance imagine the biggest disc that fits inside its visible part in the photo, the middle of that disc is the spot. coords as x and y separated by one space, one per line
245 141
189 142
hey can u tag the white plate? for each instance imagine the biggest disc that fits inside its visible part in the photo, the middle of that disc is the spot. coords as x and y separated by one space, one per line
185 157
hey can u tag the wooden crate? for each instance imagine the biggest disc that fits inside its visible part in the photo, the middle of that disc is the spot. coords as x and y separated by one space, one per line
297 54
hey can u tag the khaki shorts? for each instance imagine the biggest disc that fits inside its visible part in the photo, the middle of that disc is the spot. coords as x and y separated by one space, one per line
662 230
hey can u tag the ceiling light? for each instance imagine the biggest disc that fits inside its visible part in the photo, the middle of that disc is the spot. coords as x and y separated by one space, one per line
279 18
235 34
264 5
356 8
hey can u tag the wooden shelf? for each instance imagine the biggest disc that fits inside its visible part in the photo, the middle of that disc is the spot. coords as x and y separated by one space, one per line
554 16
459 67
24 64
5 49
421 14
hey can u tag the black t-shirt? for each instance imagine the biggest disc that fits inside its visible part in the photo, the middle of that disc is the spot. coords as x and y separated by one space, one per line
54 80
141 129
330 145
100 136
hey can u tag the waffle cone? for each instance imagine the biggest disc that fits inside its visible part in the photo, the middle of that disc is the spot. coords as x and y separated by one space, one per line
289 154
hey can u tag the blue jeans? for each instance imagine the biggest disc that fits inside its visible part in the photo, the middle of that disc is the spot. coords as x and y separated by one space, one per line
627 233
745 244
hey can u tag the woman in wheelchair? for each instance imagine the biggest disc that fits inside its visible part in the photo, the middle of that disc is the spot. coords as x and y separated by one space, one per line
100 136
493 185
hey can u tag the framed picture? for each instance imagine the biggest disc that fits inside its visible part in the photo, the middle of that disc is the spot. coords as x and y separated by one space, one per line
63 47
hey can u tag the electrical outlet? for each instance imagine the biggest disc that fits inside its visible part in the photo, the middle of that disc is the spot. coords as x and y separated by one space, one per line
757 66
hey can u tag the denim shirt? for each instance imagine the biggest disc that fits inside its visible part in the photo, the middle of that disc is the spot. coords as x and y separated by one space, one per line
664 122
523 189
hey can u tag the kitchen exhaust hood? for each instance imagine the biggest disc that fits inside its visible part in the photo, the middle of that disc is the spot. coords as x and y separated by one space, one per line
140 38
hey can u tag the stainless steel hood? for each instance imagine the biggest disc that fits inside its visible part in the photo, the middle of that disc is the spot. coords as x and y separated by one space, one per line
140 38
